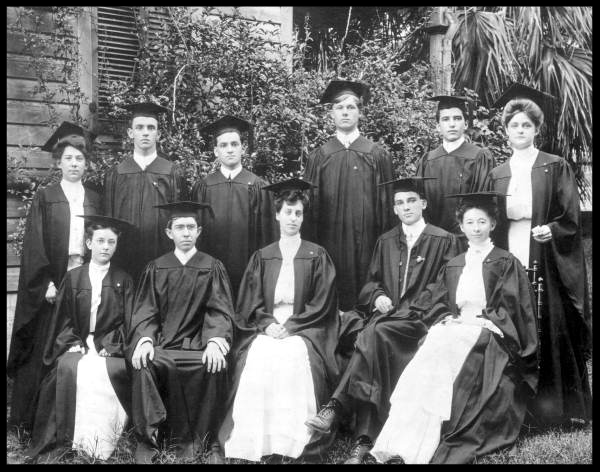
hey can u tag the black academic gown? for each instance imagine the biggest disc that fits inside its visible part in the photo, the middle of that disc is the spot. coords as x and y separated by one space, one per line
463 170
70 323
315 319
179 307
243 220
348 209
388 342
564 390
131 194
44 259
491 390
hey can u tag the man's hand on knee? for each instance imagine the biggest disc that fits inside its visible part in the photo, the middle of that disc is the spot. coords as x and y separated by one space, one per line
213 358
142 353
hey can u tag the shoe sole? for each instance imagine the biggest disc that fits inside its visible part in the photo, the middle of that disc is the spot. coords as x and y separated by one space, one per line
315 428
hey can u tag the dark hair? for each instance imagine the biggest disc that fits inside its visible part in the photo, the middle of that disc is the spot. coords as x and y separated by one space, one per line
523 105
489 207
147 115
447 106
342 96
291 197
215 137
78 142
89 230
170 222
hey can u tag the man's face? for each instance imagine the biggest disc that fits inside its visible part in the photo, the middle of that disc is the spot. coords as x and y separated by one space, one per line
184 232
409 206
451 125
144 132
103 245
345 114
229 149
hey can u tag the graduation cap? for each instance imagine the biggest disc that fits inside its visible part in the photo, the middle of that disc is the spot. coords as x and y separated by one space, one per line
68 131
289 184
338 87
544 100
185 208
107 222
408 184
145 109
478 197
226 124
453 101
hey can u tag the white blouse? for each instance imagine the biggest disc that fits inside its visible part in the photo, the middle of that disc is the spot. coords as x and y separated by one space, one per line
470 292
284 288
75 194
97 274
520 193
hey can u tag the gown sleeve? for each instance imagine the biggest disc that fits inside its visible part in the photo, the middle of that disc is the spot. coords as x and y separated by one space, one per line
113 341
250 313
323 302
145 320
218 307
373 287
511 308
484 163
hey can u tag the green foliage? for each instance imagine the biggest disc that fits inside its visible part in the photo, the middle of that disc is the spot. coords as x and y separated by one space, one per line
212 65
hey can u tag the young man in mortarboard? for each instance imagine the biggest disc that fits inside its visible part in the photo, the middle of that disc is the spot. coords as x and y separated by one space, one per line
53 243
243 215
350 210
457 165
378 336
133 188
85 398
181 331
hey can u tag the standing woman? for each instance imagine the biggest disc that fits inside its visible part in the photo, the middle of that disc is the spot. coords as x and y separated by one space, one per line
286 330
547 229
52 245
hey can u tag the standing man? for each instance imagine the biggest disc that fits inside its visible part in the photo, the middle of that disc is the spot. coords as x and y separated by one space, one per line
458 165
181 331
134 188
405 261
243 215
350 209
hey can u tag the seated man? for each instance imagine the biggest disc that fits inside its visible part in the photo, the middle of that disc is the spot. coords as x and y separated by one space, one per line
85 399
180 335
405 260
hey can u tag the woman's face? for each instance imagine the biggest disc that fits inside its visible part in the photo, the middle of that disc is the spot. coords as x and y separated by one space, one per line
72 164
477 225
290 218
521 131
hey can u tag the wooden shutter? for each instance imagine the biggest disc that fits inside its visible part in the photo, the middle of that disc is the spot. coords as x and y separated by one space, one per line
118 46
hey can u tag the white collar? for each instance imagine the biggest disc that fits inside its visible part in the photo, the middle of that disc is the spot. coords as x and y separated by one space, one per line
524 157
144 161
347 138
480 249
71 187
415 229
231 174
184 257
99 268
285 239
450 146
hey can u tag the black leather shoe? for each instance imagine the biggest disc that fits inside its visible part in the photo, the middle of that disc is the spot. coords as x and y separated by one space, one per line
144 453
215 454
323 421
395 460
358 452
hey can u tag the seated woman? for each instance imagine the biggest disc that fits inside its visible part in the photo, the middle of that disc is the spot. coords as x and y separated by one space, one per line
286 330
83 400
464 393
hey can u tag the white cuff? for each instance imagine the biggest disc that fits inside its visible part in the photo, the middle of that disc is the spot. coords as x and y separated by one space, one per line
221 343
143 340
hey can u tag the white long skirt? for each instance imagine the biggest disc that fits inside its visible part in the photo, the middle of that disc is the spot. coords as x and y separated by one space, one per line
274 398
519 234
422 398
99 416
